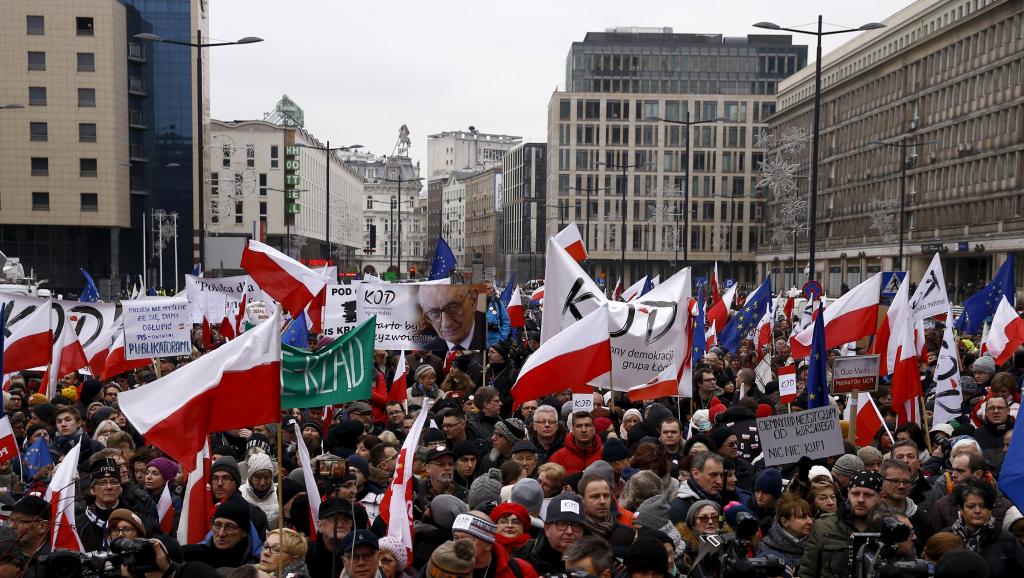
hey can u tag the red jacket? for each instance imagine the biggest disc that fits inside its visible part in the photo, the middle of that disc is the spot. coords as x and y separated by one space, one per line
575 459
379 399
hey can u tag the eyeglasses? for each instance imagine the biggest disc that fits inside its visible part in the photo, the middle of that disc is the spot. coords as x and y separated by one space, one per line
569 527
122 531
275 549
545 422
511 522
227 528
898 482
450 309
706 519
996 408
451 425
396 412
107 483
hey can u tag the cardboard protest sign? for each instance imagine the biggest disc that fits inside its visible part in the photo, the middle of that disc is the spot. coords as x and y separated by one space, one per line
788 437
217 298
432 317
159 327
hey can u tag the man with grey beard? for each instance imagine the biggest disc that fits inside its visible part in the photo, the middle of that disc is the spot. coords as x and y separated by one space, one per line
440 479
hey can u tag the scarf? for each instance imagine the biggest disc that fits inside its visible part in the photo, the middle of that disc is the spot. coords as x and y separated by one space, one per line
972 538
512 544
603 527
701 494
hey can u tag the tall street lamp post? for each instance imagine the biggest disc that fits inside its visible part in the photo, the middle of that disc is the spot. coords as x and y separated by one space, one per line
903 145
327 190
400 180
812 233
200 153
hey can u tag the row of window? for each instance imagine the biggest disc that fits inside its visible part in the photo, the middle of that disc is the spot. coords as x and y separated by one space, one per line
90 202
85 61
86 167
227 150
36 25
40 131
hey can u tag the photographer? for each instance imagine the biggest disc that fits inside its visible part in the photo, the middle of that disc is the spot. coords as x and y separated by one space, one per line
827 553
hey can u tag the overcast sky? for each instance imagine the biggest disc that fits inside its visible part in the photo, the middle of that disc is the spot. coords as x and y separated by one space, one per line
361 69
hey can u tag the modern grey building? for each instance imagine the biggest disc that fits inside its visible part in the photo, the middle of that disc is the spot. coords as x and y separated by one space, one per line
524 196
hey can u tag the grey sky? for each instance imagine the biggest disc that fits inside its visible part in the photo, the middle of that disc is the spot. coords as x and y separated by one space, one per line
361 69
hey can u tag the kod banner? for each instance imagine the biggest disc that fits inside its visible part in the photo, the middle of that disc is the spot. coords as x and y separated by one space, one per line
340 308
217 298
157 328
431 317
90 320
339 373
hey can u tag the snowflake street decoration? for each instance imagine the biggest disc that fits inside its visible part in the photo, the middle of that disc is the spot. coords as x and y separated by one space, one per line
778 176
764 140
883 219
793 140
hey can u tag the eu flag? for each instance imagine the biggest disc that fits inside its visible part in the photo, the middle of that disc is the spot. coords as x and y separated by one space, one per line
36 457
648 285
506 294
699 340
444 260
983 304
1011 476
296 334
90 294
197 271
747 318
817 378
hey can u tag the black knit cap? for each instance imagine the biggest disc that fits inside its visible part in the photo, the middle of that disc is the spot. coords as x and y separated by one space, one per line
866 479
105 468
647 554
236 509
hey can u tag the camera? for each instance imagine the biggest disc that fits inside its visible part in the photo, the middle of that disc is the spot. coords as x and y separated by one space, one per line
68 564
875 555
138 555
726 555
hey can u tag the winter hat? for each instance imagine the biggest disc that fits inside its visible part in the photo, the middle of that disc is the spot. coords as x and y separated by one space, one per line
944 428
1012 515
70 392
358 462
423 370
104 468
396 548
984 364
126 515
647 555
259 462
465 448
528 494
565 507
444 508
696 507
433 435
869 455
968 385
769 481
764 410
602 424
817 471
566 410
290 488
476 524
513 429
236 509
502 348
732 510
715 409
486 488
701 420
720 434
961 563
524 445
37 399
865 479
90 388
229 465
603 469
847 465
168 469
614 450
258 441
315 425
653 513
454 558
513 508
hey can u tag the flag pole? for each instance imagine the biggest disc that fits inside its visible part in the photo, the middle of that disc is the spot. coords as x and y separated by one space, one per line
280 501
924 424
854 398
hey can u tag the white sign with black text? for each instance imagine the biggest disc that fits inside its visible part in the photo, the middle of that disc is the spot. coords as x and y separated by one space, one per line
788 437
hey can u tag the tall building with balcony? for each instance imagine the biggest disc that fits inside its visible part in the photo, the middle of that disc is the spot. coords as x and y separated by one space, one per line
524 196
618 83
943 78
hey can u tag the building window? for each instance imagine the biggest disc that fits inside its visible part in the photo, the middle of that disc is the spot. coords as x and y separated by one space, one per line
83 25
250 156
87 167
40 201
263 184
273 156
40 166
214 183
369 203
564 109
86 97
36 60
226 156
90 202
38 131
238 212
263 209
86 132
86 62
34 25
37 96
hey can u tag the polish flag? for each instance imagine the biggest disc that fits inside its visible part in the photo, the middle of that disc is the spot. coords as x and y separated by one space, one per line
869 419
984 339
97 351
196 505
667 383
61 496
515 309
67 357
165 510
291 283
570 239
227 330
312 491
710 337
1006 333
8 443
395 506
236 385
537 296
397 391
787 309
577 355
906 377
716 295
887 338
763 334
718 313
787 384
240 316
29 343
115 363
634 290
849 318
617 291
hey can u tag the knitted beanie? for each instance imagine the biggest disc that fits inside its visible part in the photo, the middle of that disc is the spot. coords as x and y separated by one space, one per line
476 524
236 509
653 513
847 465
697 506
168 469
528 493
486 488
395 547
769 481
513 429
453 558
869 455
259 462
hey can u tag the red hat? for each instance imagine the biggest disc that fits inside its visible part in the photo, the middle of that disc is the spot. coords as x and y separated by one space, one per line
764 410
513 508
714 410
602 424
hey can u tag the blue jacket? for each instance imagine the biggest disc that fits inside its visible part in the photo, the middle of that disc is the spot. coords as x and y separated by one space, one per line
499 328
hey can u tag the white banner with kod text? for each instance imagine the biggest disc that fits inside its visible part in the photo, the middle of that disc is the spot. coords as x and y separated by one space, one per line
157 328
788 437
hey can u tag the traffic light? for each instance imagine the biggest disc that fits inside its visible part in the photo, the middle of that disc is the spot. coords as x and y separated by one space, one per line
412 271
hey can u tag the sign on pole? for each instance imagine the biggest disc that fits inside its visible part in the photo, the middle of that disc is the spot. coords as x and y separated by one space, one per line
157 327
891 281
582 402
855 373
788 437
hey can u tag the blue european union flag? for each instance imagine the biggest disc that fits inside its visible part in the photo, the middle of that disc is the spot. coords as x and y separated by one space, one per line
151 292
197 270
444 260
296 334
983 304
648 285
817 378
1011 476
506 294
747 318
699 341
36 457
90 294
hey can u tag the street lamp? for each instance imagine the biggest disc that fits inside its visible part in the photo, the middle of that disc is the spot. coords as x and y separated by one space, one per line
903 145
327 190
686 185
817 118
625 186
200 45
399 180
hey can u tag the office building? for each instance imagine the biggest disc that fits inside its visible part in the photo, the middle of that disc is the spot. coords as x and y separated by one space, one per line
524 196
483 224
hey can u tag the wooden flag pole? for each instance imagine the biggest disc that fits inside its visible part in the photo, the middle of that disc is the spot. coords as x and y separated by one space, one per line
280 501
854 398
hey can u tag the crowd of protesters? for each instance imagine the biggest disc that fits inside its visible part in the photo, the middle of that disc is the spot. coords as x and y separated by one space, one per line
639 490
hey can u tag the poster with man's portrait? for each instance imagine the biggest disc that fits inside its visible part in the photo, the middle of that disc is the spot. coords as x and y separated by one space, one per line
430 317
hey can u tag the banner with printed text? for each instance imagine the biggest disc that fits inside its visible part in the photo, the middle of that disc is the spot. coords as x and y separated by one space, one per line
339 373
422 316
159 327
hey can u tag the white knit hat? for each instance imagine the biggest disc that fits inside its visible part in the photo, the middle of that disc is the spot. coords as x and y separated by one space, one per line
259 462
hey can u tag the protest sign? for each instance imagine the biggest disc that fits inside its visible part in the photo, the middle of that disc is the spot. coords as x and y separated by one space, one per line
90 320
582 402
855 373
339 373
432 317
788 437
217 298
340 308
159 327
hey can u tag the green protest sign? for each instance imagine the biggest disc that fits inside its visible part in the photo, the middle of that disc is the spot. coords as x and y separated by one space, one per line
339 373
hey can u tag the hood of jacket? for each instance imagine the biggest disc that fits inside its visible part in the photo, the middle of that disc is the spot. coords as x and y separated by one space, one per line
570 444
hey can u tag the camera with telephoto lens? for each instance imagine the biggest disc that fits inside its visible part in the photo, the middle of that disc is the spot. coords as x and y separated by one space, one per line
726 555
875 554
138 555
68 564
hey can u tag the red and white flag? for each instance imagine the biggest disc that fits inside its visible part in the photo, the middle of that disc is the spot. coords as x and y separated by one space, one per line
787 309
67 357
887 340
61 496
849 318
165 510
312 491
716 295
115 362
291 283
515 310
1006 333
196 505
906 376
570 288
97 351
538 296
577 355
397 391
763 333
29 343
570 239
634 290
869 419
787 384
8 443
711 336
617 291
949 397
236 385
396 505
718 313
